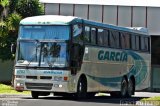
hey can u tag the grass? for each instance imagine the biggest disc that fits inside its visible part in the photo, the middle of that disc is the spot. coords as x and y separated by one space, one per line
5 89
153 100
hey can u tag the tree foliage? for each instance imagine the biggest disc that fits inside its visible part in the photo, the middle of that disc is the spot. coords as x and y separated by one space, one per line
8 34
12 6
17 9
3 5
29 8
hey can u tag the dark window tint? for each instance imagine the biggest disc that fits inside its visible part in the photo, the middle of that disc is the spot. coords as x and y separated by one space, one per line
100 37
137 43
114 39
77 33
142 44
103 37
125 40
87 34
146 43
106 37
93 35
133 42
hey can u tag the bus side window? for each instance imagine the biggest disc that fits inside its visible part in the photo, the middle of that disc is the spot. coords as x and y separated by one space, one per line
106 37
142 44
137 43
114 39
103 35
87 34
146 44
133 42
77 33
125 41
93 35
100 37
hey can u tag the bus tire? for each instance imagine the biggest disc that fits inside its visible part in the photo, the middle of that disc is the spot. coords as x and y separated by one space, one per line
35 94
130 88
81 88
91 95
115 94
124 88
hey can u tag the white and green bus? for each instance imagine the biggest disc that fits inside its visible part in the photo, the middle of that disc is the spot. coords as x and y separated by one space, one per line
68 55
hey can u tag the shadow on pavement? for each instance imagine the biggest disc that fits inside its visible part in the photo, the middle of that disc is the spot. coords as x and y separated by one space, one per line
96 99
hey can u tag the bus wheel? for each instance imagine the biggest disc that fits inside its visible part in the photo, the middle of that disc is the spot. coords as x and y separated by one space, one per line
91 94
115 94
35 94
130 88
124 88
81 89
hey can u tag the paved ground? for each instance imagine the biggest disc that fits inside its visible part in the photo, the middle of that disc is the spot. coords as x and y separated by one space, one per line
26 100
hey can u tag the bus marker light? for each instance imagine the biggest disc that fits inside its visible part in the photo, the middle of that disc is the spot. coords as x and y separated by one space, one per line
65 78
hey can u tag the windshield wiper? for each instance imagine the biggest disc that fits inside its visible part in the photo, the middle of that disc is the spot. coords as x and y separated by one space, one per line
31 61
49 63
35 55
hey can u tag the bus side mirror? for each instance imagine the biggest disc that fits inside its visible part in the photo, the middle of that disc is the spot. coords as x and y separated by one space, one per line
13 48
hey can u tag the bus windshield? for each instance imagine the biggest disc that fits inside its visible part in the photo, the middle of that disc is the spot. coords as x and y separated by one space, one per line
42 54
54 54
44 32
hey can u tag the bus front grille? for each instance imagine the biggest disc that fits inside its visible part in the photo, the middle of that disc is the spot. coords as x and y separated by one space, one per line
31 77
39 77
42 86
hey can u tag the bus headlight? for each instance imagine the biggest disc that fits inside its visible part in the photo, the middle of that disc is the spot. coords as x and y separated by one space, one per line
20 76
19 86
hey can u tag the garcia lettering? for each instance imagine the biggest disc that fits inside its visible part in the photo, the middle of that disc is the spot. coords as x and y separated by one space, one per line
112 56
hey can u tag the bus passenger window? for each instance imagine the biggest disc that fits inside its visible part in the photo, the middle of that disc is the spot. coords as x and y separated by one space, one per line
133 42
106 38
87 34
142 44
114 39
100 36
125 40
93 35
137 43
146 44
77 33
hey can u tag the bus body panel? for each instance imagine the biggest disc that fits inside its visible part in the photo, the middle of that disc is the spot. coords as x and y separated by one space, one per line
105 68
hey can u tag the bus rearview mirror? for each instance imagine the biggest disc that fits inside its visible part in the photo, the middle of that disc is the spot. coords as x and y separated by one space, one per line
13 48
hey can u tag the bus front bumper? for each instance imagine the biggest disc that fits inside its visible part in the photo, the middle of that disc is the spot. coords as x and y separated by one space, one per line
46 86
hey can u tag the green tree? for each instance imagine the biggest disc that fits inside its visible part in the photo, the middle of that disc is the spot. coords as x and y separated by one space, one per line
12 6
29 8
3 5
8 34
9 24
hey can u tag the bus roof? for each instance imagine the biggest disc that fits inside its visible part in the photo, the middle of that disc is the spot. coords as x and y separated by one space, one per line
67 20
47 20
